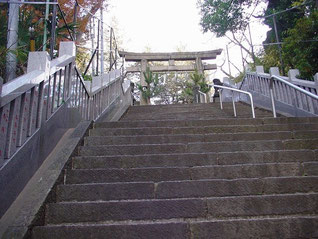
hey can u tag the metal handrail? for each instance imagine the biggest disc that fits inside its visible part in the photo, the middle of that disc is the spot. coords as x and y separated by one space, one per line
204 95
274 77
234 90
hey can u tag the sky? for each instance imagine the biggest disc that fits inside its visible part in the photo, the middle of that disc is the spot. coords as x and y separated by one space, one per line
168 25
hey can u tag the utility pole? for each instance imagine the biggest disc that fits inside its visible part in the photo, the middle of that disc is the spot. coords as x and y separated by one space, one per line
75 18
92 30
102 43
242 58
12 41
279 46
249 31
97 47
228 59
53 30
47 9
111 49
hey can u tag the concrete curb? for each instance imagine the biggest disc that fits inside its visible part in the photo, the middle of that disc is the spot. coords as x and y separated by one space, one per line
23 212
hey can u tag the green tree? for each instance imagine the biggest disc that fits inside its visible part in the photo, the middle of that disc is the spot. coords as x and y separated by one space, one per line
197 82
221 16
173 85
300 48
285 20
152 88
297 29
229 18
33 16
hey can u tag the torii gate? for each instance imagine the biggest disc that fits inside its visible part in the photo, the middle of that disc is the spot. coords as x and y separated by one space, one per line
171 57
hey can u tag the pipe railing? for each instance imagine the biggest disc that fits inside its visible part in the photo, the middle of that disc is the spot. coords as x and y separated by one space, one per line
298 100
201 94
233 102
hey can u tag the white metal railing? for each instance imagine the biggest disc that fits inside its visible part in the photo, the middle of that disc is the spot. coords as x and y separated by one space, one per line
296 94
99 98
309 97
233 101
32 99
202 97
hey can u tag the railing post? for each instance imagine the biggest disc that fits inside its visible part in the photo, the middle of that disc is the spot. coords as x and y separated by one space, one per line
69 49
1 83
259 69
39 61
292 74
273 71
196 94
252 105
220 96
234 108
316 82
261 85
272 96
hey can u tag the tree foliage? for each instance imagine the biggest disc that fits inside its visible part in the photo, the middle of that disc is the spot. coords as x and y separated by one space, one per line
196 82
152 88
83 12
221 16
300 48
34 16
297 29
173 84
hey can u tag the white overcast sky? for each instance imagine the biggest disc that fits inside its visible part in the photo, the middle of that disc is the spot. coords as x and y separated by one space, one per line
165 25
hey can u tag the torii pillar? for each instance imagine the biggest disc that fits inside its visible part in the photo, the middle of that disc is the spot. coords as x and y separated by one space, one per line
144 64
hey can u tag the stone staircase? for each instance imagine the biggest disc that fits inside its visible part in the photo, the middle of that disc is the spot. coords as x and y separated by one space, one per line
190 171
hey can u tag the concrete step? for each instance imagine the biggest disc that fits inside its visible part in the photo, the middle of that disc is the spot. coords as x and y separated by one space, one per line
199 147
76 212
210 122
193 116
189 108
192 159
207 110
280 227
195 111
129 230
201 130
190 171
186 188
177 107
263 205
187 138
303 226
194 173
